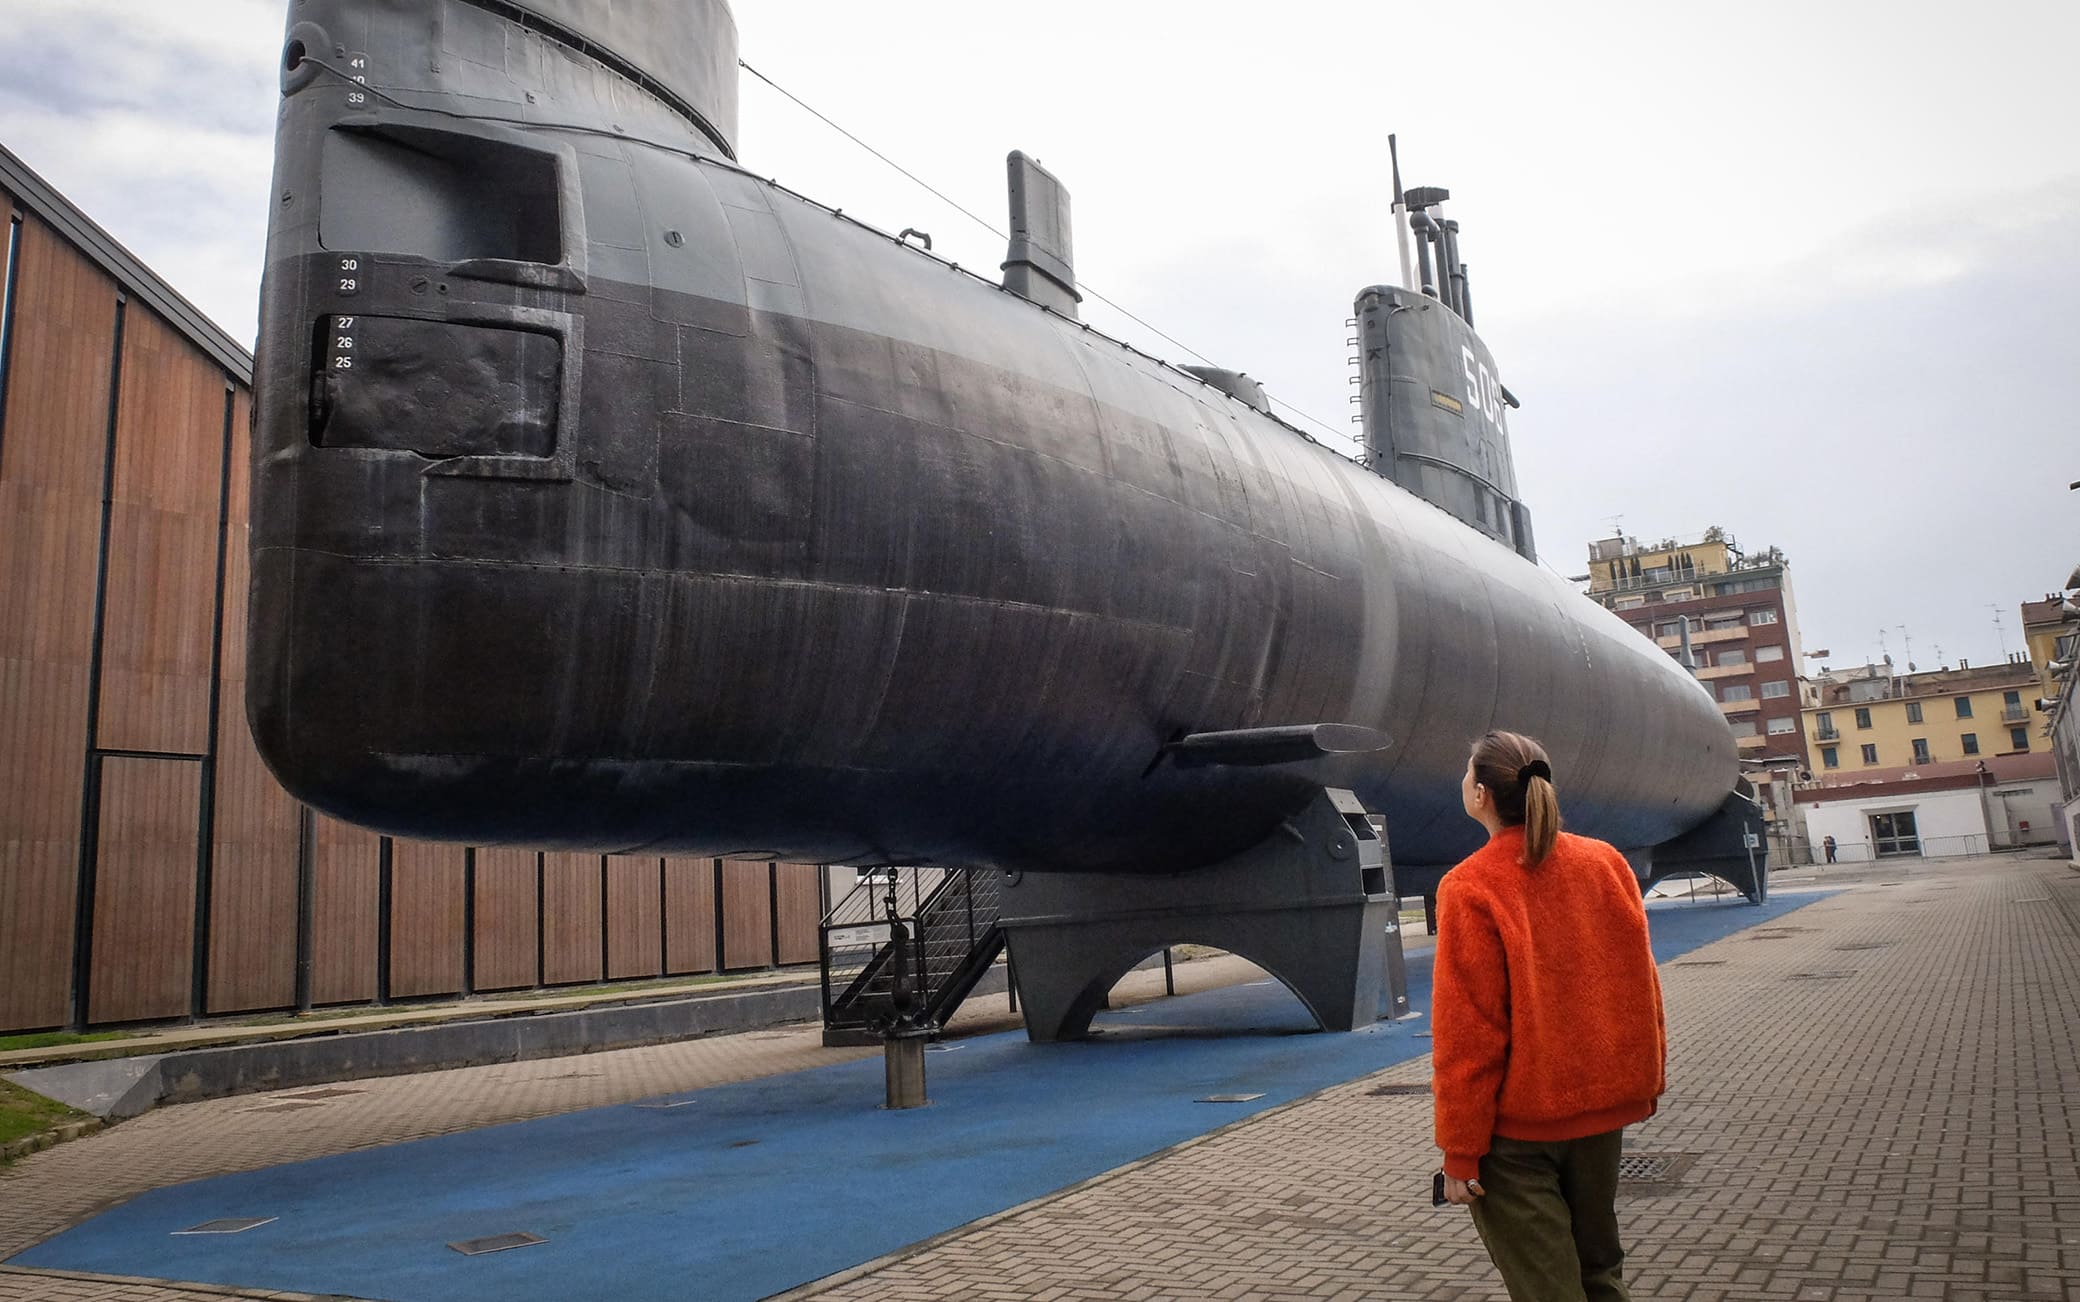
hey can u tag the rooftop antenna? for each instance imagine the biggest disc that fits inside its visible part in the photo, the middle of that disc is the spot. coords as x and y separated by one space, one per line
1998 631
1400 212
1616 521
1909 639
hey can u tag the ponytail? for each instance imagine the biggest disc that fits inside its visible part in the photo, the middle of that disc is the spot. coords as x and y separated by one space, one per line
1517 774
1541 820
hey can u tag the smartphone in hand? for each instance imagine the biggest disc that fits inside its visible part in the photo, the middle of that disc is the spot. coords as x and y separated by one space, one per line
1437 1188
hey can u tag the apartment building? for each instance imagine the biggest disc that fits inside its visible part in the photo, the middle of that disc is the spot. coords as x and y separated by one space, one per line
1741 622
1874 718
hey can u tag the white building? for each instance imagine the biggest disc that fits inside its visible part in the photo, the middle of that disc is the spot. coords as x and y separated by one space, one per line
1939 809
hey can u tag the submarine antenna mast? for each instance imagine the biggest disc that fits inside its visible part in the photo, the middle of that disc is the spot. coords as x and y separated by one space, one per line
1400 212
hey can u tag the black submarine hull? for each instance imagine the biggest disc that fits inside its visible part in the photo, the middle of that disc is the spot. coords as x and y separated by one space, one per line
657 508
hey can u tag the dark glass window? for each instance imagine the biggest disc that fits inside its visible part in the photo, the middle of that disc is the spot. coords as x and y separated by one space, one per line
1870 754
1894 834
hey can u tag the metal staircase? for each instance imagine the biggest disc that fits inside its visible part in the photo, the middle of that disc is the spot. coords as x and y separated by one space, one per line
948 917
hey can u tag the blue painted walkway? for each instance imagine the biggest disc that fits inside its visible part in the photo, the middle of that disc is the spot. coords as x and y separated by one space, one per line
756 1187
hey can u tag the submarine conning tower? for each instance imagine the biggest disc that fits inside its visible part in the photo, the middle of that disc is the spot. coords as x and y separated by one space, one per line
682 55
1435 412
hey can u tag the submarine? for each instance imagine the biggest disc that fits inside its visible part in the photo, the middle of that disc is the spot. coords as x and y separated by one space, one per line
609 496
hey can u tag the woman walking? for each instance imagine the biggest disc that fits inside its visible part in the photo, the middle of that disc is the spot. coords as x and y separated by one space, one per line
1549 1035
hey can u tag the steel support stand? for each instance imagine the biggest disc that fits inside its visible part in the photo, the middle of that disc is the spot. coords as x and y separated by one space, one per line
1313 904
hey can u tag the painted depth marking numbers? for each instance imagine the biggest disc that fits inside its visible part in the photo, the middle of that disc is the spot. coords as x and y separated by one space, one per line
341 351
357 72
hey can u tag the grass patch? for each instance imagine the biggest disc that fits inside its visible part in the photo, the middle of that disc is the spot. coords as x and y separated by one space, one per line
23 1113
54 1039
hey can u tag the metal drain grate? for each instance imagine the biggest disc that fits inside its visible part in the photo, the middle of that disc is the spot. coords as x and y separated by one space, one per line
497 1243
1866 944
282 1107
660 1105
1231 1098
1703 962
229 1225
1385 1091
1653 1168
1837 974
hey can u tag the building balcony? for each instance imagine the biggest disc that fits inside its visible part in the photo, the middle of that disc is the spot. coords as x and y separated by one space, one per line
1829 733
1708 673
2015 714
1757 742
1704 637
1739 707
1649 581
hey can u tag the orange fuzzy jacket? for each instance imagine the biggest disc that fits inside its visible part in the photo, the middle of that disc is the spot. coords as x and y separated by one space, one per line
1546 1003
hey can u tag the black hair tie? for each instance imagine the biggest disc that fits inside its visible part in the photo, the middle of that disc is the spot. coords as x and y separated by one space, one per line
1535 769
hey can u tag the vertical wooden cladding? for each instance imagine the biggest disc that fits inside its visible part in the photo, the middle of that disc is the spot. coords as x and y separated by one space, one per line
64 320
51 457
506 915
571 918
144 889
426 889
747 913
162 547
346 904
635 900
689 916
799 890
253 862
255 828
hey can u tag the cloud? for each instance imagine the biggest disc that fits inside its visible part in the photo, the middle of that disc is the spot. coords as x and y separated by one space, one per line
1898 434
156 121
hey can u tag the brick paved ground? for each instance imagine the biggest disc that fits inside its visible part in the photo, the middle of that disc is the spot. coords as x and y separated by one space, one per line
1874 1089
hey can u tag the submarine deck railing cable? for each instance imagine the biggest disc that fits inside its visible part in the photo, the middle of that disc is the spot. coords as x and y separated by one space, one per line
1337 437
943 197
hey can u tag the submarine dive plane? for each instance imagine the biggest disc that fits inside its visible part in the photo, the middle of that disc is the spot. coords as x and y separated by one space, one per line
608 496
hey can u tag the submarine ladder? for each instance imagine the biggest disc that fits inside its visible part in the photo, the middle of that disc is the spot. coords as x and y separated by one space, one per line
950 916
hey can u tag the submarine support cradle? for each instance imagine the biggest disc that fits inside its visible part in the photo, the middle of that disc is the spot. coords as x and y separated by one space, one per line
1313 904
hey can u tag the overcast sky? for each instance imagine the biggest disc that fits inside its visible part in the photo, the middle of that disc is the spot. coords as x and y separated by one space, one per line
1800 270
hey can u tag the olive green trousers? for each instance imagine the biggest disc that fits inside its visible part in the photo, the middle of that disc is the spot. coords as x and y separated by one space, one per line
1549 1218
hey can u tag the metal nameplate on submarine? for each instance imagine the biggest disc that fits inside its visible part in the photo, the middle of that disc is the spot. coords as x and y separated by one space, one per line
608 496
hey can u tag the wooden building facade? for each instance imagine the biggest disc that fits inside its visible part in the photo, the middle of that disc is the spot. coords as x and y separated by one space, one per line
150 866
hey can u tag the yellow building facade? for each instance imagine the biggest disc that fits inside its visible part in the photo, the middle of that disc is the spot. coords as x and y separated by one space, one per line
2045 627
1872 719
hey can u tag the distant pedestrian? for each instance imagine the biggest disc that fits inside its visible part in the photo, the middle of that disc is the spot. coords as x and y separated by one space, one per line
1549 1035
1827 844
